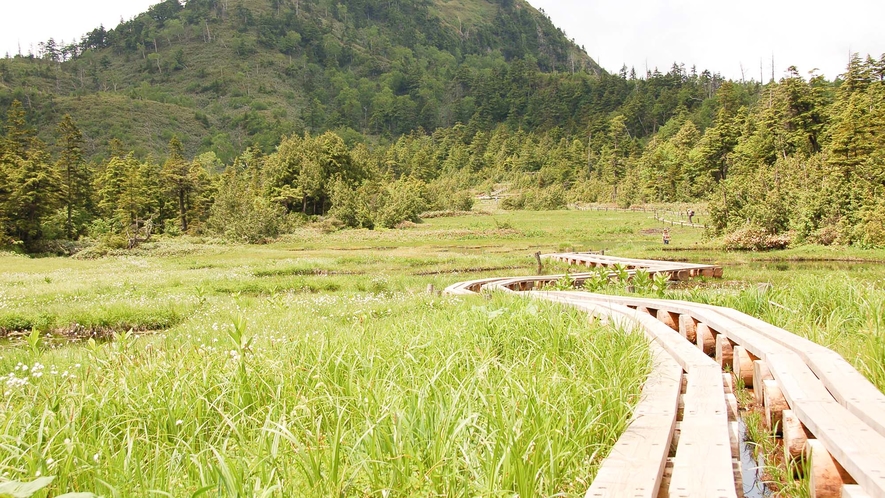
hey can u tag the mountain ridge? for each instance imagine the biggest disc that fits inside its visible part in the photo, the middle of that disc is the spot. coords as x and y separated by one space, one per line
247 72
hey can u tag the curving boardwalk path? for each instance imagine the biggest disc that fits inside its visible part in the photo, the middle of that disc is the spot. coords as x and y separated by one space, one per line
683 438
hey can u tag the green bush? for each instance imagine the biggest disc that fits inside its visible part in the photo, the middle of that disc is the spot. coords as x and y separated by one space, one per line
247 219
404 201
871 231
353 207
755 238
539 199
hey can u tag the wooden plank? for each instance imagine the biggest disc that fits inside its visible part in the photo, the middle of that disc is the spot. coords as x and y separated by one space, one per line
684 353
826 477
612 260
848 386
853 491
742 366
853 443
703 463
636 463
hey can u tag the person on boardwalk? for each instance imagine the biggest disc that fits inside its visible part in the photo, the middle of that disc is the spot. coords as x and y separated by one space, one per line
666 236
690 215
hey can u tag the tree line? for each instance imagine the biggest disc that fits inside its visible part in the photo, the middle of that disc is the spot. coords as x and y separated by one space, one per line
800 156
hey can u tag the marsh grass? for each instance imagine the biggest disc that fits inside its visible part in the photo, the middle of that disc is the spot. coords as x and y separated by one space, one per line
835 310
329 395
317 366
785 480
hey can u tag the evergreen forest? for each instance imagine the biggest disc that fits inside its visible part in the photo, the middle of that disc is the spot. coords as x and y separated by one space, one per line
244 119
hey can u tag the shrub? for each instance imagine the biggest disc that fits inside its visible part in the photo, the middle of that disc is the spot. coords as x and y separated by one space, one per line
353 207
871 231
755 238
245 218
539 199
404 201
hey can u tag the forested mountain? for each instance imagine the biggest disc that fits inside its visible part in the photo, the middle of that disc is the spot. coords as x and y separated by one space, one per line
246 118
222 75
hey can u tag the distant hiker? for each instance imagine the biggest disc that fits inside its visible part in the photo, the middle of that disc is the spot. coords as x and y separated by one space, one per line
666 237
690 215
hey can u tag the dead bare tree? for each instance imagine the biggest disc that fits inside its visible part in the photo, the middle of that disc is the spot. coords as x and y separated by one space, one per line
139 231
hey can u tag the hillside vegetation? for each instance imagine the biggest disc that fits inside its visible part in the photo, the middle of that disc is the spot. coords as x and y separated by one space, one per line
250 71
248 119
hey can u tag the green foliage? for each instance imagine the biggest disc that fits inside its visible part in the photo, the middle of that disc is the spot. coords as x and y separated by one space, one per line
441 381
546 199
502 98
13 489
403 201
660 283
240 214
598 280
755 238
563 283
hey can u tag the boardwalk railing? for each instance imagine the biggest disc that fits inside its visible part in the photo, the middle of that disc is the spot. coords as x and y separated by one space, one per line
683 438
665 216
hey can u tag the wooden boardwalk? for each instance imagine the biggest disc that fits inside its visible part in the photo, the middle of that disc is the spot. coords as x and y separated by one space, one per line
683 438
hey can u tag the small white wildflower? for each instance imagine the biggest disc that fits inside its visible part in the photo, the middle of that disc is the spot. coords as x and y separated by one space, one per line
179 422
49 461
95 457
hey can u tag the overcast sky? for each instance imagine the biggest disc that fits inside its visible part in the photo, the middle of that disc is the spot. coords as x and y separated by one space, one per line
28 22
719 36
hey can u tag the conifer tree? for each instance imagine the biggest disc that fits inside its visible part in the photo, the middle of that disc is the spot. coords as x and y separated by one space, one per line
125 191
34 192
178 180
74 174
18 134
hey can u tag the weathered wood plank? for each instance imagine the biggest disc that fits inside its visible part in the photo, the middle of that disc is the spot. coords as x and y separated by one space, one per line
635 465
703 462
853 443
848 386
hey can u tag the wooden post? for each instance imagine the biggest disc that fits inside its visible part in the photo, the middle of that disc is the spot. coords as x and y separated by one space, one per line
706 341
688 328
724 351
734 436
538 259
743 365
731 404
795 438
761 373
643 309
775 404
670 319
827 476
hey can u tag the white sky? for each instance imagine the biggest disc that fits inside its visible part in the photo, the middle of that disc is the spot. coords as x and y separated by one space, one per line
28 22
714 35
720 36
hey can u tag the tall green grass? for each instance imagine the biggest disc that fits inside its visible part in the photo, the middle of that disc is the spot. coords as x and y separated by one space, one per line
327 395
836 310
311 367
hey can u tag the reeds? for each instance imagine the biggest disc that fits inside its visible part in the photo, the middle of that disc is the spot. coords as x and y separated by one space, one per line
328 395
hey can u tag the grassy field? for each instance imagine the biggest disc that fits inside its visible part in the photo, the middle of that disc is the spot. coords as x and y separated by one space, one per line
319 365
